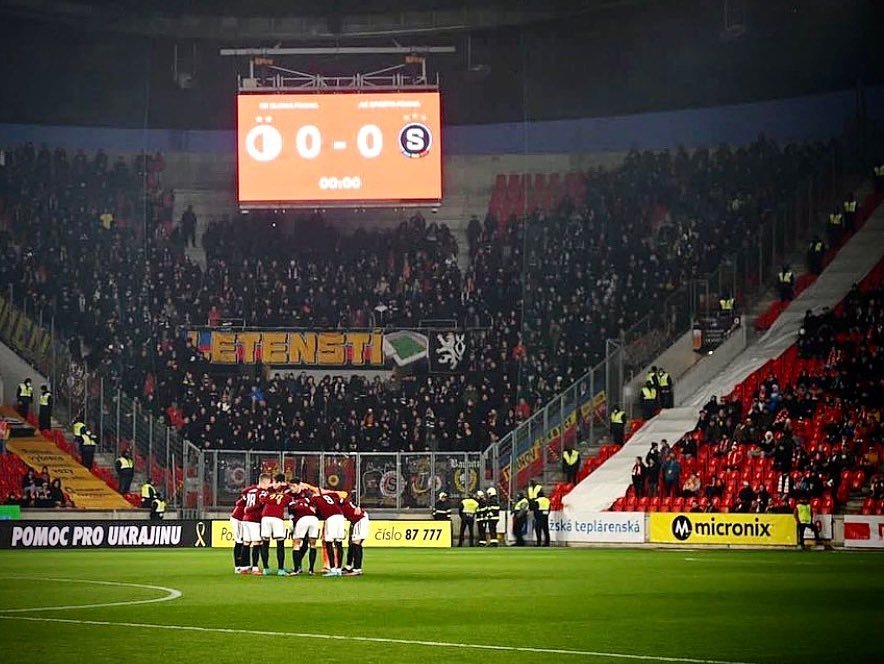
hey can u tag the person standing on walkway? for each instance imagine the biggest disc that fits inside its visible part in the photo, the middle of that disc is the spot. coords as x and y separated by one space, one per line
541 520
24 397
45 414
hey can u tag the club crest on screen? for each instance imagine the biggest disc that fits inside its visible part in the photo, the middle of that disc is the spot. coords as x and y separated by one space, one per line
415 140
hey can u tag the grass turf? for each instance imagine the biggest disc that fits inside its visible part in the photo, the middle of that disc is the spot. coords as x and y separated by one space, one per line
746 606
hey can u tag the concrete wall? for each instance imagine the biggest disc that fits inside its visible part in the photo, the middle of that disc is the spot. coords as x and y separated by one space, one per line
711 365
14 370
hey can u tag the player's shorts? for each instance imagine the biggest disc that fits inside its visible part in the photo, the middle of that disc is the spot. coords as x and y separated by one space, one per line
251 531
306 527
236 526
335 528
359 530
273 528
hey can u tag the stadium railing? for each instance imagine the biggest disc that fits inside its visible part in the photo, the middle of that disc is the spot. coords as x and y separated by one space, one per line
399 481
533 449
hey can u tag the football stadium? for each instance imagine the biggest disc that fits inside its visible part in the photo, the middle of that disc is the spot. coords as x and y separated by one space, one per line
379 331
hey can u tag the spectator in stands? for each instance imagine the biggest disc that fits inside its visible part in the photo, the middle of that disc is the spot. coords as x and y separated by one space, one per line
877 488
638 477
715 489
762 499
653 453
56 495
782 454
43 498
694 506
652 476
188 226
692 486
745 498
671 476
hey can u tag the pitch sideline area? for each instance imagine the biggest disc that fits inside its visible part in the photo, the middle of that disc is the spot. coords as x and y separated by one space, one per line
458 605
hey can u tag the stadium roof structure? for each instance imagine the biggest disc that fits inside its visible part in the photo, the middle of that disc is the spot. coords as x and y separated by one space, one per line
298 19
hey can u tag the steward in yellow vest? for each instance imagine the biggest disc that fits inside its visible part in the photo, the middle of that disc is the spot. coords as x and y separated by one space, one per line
618 425
24 397
570 464
468 508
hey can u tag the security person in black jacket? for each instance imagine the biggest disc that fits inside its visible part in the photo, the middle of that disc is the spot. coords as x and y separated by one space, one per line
520 518
24 397
45 414
492 515
481 516
541 520
442 510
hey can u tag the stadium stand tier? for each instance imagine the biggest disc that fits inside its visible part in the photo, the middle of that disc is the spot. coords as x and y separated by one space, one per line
800 413
591 259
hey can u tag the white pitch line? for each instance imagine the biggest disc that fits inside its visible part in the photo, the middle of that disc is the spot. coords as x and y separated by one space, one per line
171 594
377 639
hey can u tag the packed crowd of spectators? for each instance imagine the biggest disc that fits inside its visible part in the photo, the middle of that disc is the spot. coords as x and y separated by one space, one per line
96 245
39 490
661 219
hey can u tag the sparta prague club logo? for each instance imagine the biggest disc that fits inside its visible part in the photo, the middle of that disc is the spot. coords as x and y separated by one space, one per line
415 140
682 528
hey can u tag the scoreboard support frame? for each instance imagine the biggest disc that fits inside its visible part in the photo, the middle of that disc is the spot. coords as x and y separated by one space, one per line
266 75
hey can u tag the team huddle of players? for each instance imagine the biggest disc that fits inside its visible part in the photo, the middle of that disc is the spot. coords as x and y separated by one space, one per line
274 508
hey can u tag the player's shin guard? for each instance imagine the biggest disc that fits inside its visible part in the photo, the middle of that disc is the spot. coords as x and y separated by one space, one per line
237 554
312 558
265 554
351 552
339 553
244 555
280 554
297 558
256 554
330 553
358 557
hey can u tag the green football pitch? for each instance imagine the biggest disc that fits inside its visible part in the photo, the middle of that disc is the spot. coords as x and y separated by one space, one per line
505 605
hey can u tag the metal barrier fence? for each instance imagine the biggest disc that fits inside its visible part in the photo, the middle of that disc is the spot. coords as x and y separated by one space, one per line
533 449
394 480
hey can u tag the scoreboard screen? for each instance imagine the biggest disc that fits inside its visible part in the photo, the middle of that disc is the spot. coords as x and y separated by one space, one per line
338 148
